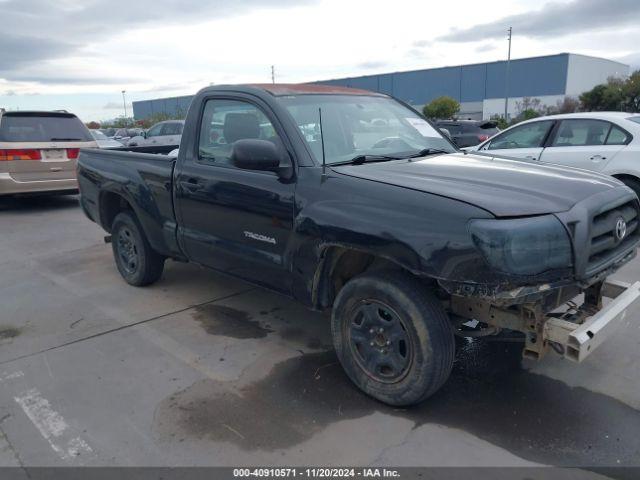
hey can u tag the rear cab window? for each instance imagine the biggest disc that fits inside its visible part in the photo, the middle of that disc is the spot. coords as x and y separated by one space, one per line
25 127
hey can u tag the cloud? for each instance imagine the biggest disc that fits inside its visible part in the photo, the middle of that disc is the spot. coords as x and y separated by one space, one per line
18 50
555 19
633 60
372 65
421 43
114 106
63 28
485 47
72 80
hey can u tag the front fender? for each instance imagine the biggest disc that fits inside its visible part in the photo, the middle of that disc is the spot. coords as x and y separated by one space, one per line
422 233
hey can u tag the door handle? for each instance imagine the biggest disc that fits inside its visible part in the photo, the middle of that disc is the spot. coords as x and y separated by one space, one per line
597 158
531 157
192 185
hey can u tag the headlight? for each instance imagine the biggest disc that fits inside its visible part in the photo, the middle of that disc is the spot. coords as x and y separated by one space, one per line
523 246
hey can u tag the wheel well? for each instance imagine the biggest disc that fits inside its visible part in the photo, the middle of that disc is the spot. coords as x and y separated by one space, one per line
623 176
340 265
111 204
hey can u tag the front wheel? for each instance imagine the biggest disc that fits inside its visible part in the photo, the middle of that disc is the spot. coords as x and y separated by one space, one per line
137 262
392 337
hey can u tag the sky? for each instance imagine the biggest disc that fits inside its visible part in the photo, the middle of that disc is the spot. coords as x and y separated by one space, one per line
79 55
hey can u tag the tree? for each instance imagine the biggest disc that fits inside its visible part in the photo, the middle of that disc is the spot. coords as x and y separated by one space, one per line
631 92
528 108
441 107
604 97
567 105
500 121
93 125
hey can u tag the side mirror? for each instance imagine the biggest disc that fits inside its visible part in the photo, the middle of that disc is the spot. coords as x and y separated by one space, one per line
254 154
143 134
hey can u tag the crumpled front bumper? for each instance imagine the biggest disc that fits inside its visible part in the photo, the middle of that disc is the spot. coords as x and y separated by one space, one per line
578 341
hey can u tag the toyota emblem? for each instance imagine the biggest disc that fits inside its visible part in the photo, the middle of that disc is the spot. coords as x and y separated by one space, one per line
621 228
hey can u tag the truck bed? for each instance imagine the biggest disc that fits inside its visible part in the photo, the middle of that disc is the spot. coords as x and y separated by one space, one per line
143 179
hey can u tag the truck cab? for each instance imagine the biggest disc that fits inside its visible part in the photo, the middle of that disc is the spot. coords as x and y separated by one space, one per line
351 202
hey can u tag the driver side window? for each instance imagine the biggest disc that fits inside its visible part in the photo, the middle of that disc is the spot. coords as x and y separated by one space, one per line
154 131
227 121
531 135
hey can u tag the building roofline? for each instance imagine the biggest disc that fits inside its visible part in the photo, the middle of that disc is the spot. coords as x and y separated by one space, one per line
493 62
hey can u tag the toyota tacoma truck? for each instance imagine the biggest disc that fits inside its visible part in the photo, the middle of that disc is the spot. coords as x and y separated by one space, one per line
351 202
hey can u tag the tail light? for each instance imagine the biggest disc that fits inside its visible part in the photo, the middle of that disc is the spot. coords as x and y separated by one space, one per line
19 154
483 137
73 153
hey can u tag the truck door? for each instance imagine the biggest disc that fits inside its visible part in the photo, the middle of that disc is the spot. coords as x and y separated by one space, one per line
235 220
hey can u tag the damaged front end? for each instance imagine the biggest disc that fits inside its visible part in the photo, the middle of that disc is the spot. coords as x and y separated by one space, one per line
575 311
556 320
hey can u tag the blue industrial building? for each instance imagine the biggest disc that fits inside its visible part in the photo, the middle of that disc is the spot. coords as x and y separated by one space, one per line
480 88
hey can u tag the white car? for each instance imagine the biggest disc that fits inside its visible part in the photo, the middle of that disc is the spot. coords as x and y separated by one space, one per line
168 132
606 142
104 141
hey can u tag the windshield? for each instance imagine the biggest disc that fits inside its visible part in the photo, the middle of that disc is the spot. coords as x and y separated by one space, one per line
98 135
634 119
42 127
354 125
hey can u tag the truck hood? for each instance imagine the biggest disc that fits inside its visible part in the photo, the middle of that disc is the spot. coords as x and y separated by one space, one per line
501 186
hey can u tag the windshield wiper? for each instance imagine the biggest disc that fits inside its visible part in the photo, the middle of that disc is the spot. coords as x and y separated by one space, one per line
426 151
360 159
55 139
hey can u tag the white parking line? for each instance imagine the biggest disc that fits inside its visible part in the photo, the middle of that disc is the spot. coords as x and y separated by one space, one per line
52 426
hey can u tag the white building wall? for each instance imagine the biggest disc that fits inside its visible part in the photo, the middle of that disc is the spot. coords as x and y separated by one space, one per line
495 106
584 73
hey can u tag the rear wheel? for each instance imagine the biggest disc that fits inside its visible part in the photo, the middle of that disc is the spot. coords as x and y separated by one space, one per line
392 337
137 262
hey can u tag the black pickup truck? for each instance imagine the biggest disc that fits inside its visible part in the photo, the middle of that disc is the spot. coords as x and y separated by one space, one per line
350 201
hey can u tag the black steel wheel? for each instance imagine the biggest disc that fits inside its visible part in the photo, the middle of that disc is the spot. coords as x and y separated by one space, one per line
127 250
136 260
379 341
392 337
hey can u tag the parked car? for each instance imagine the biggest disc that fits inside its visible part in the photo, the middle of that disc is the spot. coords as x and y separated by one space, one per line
123 135
606 142
466 133
164 133
39 151
109 132
405 239
104 141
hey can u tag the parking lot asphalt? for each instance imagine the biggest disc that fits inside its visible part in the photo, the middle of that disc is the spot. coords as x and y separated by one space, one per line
201 369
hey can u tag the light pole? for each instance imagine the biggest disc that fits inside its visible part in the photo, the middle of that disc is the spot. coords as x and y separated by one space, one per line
273 74
124 104
506 80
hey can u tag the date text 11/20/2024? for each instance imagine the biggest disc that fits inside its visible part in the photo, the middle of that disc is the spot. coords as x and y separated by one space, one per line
316 472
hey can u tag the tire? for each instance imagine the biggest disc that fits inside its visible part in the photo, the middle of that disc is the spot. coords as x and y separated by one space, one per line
632 184
418 356
137 262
